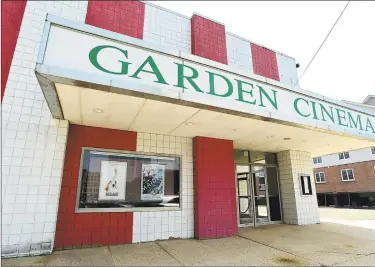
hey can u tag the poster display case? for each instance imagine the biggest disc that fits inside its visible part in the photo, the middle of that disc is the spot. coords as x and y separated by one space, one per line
119 181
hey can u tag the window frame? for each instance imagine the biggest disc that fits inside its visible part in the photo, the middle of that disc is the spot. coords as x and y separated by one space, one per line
343 155
347 175
319 173
316 160
136 209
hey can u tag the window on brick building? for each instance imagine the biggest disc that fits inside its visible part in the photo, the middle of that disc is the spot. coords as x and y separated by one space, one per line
347 174
344 155
128 180
373 150
320 177
317 160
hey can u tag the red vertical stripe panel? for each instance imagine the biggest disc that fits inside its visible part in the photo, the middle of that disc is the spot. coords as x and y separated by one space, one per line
125 17
11 19
264 62
208 39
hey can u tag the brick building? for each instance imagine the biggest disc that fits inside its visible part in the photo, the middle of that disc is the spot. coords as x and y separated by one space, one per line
347 179
124 122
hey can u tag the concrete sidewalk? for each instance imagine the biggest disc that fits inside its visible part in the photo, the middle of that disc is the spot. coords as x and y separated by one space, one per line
275 245
353 217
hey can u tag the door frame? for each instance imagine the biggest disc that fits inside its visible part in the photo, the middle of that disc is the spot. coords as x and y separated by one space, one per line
255 223
266 192
250 192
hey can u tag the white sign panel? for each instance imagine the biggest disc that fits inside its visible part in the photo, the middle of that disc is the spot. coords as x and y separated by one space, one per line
135 68
112 180
152 185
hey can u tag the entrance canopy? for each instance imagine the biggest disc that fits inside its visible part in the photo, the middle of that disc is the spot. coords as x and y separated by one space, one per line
99 78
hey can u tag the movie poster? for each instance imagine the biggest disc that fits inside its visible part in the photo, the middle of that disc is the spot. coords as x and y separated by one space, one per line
112 180
152 182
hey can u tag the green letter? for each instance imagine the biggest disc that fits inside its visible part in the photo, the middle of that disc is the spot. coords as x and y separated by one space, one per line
341 117
263 92
330 115
155 70
314 110
369 125
241 91
181 76
296 106
93 57
358 121
212 84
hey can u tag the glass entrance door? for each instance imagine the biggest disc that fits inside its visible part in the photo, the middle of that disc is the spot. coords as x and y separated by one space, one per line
273 192
245 195
258 194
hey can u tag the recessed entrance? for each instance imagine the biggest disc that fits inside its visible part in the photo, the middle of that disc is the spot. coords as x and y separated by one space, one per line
258 194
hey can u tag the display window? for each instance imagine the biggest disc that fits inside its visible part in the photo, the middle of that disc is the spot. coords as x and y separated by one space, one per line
120 180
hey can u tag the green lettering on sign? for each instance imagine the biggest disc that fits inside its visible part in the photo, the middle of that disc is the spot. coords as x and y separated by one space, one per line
369 125
264 93
211 77
356 123
341 116
313 105
324 111
154 70
241 91
181 77
296 106
221 86
93 57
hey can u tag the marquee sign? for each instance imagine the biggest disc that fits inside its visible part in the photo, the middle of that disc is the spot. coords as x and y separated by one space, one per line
197 83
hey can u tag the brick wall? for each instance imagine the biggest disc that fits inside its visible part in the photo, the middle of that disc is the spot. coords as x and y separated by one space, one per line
11 18
125 17
100 228
215 210
364 174
208 39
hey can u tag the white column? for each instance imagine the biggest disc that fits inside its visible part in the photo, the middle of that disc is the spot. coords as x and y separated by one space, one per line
33 143
156 225
297 208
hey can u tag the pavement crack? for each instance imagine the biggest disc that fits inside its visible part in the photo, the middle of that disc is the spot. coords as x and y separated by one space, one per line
170 254
110 253
348 253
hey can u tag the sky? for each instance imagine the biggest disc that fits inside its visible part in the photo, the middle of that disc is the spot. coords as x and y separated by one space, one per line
344 69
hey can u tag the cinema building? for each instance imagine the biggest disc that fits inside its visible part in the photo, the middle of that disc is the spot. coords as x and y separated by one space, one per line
124 122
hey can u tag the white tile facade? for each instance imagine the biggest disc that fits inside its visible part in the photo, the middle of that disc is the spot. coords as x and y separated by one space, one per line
239 54
166 28
287 70
33 143
150 226
297 208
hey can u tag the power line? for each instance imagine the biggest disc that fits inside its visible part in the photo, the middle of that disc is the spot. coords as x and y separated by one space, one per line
325 39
